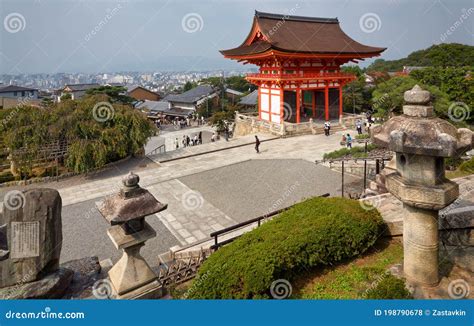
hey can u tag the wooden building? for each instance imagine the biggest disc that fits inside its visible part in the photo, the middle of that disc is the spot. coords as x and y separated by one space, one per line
299 60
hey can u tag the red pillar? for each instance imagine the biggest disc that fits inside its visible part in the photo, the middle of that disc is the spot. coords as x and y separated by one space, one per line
313 102
326 102
298 105
340 99
259 104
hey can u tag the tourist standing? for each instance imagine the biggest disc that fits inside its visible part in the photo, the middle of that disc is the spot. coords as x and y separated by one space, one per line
196 140
200 137
177 143
349 141
359 126
188 141
257 144
202 120
184 141
213 137
326 128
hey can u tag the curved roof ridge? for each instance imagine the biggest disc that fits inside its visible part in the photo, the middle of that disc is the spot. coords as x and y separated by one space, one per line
267 15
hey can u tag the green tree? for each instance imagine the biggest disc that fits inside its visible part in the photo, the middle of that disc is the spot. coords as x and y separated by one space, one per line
116 94
188 86
388 97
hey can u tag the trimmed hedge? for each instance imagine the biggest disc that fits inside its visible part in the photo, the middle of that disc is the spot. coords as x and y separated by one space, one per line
356 151
318 231
389 287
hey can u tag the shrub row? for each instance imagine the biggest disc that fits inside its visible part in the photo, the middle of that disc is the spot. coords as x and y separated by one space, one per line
318 231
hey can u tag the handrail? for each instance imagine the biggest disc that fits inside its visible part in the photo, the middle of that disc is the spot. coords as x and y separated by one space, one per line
259 219
374 158
158 150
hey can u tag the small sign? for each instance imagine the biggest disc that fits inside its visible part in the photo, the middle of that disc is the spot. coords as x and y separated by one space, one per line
25 239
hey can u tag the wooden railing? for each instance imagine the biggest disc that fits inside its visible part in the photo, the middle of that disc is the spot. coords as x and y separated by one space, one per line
302 75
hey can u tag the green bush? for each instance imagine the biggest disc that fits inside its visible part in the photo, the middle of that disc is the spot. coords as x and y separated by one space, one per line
316 232
389 287
356 151
467 166
362 136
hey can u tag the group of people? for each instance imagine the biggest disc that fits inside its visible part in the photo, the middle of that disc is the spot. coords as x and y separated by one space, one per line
189 121
190 141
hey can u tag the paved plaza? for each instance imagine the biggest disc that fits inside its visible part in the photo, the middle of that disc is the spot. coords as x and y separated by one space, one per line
204 193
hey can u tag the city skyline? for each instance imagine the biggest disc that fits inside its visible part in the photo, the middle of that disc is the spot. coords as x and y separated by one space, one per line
147 36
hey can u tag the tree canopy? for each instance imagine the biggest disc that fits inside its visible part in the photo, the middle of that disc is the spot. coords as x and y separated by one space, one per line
97 131
440 55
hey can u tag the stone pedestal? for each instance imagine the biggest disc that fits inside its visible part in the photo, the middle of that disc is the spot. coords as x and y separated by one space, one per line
131 271
420 244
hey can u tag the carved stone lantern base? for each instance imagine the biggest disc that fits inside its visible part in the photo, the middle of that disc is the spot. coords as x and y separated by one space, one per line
131 276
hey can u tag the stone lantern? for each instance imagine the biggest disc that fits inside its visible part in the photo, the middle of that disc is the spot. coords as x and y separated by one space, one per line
421 141
131 276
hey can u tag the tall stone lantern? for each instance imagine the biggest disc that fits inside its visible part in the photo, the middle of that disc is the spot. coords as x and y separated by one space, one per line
131 276
421 141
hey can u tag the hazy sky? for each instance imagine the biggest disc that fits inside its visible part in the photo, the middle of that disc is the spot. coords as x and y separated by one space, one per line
145 35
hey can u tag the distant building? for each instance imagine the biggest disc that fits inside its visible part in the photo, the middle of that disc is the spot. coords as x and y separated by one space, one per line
141 93
250 100
163 108
18 92
233 95
77 90
408 69
194 98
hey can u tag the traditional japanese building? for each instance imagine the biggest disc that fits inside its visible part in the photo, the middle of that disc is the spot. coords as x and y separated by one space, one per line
299 60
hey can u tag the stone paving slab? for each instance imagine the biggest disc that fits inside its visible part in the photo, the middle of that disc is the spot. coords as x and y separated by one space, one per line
189 217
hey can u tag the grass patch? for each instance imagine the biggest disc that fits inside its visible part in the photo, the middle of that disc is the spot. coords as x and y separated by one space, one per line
352 279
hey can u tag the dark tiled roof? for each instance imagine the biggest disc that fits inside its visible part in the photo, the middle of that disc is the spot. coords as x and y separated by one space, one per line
14 88
154 105
250 99
301 34
81 87
191 96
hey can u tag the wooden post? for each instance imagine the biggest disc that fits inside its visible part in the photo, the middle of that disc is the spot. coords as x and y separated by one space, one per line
340 99
313 100
298 104
342 179
326 102
259 104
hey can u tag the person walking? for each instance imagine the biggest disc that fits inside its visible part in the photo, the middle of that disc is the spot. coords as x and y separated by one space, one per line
177 143
184 141
257 144
326 129
188 141
200 138
349 141
202 120
359 127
